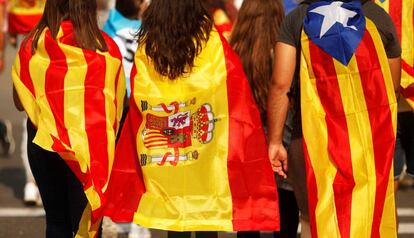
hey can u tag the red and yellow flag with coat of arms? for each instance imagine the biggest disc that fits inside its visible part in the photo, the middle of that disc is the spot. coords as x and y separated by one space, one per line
192 154
23 15
402 14
74 97
349 112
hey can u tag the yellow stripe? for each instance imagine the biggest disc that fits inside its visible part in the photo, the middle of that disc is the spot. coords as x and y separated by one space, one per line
314 126
385 5
14 8
388 221
74 113
38 67
407 40
86 229
386 72
362 151
25 96
120 97
113 113
167 207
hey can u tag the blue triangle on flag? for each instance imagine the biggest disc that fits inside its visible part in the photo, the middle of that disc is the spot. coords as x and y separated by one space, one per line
336 27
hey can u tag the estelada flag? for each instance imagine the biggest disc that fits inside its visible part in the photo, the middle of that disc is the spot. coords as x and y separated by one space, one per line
402 14
192 154
75 98
349 123
23 15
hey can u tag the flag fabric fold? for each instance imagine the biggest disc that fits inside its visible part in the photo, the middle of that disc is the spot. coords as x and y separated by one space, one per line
192 154
349 124
402 14
23 15
75 98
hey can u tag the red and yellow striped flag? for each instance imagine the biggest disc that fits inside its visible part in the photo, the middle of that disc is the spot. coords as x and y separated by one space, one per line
402 14
192 154
23 15
75 99
349 124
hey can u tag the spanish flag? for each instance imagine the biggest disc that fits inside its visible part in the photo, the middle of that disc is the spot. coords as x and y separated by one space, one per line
402 14
23 15
349 114
192 154
75 99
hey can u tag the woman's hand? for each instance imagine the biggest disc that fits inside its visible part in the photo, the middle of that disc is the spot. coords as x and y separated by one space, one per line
278 159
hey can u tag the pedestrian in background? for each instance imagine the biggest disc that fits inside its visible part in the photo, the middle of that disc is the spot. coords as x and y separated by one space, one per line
66 78
329 164
256 50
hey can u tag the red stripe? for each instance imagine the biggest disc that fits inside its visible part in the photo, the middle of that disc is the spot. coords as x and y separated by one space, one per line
395 11
252 185
126 184
95 116
408 92
383 137
407 68
312 191
55 85
339 147
25 56
22 24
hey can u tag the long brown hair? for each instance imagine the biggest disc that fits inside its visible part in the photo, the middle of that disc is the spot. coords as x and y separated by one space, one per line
173 32
254 38
82 14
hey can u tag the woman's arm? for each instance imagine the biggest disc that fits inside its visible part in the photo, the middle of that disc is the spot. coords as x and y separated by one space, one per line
278 104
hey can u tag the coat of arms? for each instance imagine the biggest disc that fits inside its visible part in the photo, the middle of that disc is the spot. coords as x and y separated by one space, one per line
175 130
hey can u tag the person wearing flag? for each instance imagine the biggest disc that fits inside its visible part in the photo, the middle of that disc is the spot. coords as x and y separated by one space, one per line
343 60
256 49
68 78
192 153
402 14
23 15
122 24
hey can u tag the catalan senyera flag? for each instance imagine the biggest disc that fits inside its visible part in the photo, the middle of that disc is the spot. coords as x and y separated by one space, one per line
75 98
23 15
402 14
349 114
192 154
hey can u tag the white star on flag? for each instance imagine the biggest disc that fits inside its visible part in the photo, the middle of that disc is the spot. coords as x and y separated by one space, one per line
334 13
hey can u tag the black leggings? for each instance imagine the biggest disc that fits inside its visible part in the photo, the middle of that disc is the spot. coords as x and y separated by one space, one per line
62 193
198 234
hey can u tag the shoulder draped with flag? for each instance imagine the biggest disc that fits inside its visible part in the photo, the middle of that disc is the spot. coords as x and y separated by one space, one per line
349 123
192 154
75 98
402 14
23 15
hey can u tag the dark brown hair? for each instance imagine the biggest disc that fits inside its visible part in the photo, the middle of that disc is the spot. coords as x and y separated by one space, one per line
254 38
82 14
129 8
173 32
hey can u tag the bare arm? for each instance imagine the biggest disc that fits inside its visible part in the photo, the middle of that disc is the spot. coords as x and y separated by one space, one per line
278 103
395 67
